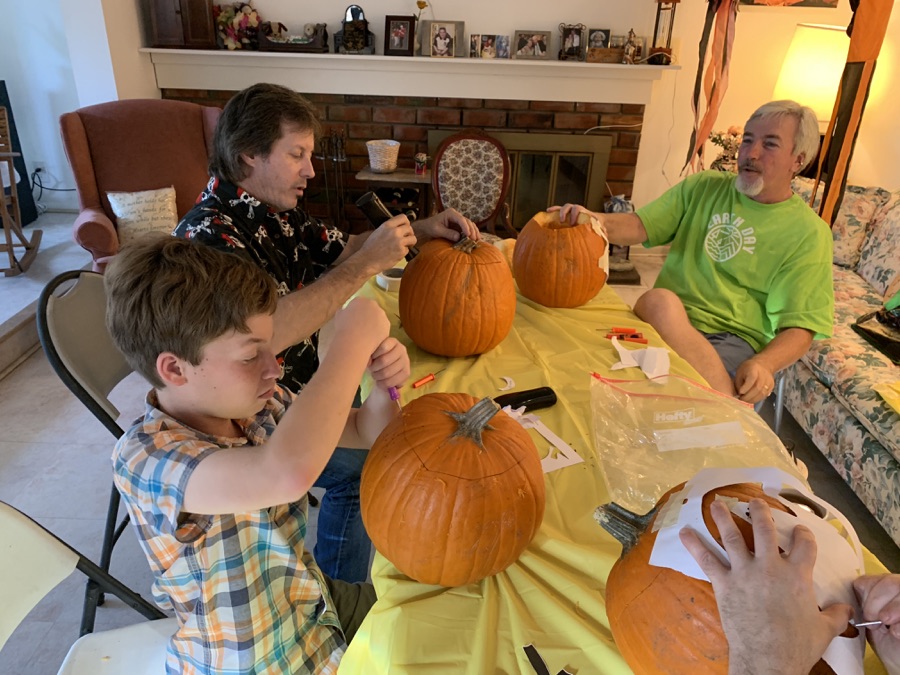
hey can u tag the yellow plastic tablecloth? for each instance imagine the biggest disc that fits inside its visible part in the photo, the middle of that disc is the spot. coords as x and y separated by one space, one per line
552 597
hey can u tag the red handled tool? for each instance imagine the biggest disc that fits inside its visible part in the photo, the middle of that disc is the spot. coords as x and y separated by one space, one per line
425 380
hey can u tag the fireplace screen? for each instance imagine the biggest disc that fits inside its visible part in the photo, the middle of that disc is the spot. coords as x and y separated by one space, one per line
549 169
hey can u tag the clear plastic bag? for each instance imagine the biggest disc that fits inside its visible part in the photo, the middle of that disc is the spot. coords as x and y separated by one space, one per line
653 434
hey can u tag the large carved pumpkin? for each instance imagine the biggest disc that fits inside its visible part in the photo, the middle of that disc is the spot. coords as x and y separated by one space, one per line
557 264
663 621
457 300
452 491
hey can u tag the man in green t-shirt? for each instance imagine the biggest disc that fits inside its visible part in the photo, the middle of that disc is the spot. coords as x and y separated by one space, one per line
747 283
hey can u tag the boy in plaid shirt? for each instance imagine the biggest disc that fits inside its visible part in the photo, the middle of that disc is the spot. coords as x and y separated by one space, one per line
215 473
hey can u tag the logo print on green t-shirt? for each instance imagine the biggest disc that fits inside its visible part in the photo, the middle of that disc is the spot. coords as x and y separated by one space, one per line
725 238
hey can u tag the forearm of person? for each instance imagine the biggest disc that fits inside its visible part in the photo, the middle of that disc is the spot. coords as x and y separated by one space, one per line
788 346
367 423
314 425
624 229
303 312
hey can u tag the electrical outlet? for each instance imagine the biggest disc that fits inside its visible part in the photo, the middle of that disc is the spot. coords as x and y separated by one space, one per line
40 167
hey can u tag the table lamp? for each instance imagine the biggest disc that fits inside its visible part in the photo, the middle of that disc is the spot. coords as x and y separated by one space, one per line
812 69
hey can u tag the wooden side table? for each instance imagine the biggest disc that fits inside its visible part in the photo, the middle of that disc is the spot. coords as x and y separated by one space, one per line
402 178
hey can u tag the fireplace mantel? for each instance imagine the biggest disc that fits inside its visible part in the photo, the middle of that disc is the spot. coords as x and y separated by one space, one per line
407 76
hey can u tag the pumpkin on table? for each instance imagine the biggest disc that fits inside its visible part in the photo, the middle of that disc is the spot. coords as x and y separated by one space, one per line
457 299
664 621
557 264
453 490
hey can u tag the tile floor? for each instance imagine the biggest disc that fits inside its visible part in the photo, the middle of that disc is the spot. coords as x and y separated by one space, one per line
54 465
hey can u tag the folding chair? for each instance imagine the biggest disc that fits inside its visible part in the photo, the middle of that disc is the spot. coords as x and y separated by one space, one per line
71 324
33 561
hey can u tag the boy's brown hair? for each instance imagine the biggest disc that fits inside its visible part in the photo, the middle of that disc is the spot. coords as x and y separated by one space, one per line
165 294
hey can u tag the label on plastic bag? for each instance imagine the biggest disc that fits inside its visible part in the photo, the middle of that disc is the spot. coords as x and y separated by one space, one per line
705 436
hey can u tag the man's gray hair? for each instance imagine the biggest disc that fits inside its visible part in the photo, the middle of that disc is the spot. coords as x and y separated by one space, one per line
806 138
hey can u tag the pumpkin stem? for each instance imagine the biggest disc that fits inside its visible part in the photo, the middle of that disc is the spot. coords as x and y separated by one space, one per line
474 420
624 525
465 245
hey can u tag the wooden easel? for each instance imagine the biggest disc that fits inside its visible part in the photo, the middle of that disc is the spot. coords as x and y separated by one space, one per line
10 215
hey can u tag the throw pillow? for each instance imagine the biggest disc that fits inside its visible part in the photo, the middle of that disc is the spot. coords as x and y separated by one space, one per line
857 208
138 213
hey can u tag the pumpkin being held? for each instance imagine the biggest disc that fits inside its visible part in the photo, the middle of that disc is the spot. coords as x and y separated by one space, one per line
557 264
457 299
664 621
453 490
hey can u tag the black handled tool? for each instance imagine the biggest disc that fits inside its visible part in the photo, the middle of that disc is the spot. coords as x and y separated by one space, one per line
377 213
532 399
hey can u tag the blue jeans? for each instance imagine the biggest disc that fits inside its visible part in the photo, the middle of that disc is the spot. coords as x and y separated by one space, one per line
342 545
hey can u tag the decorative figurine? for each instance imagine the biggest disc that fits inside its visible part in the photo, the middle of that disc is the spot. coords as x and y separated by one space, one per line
630 48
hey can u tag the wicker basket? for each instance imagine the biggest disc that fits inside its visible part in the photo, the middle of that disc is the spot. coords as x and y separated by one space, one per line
383 155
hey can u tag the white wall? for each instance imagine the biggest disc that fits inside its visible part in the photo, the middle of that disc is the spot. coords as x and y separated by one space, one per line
62 54
34 61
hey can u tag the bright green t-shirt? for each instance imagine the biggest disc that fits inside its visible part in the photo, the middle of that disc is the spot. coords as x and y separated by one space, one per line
740 266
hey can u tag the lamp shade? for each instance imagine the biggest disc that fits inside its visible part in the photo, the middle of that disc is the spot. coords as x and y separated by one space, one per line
812 69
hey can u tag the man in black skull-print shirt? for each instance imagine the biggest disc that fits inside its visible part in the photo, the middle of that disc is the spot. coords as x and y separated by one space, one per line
261 163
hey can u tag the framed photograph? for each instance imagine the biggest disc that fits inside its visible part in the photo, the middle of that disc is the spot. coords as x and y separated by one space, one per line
572 42
443 39
399 32
617 41
531 44
489 46
598 38
457 29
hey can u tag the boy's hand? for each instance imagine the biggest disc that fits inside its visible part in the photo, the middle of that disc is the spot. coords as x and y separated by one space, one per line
389 365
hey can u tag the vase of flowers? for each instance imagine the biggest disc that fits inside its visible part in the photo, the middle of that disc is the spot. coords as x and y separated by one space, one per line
417 37
730 142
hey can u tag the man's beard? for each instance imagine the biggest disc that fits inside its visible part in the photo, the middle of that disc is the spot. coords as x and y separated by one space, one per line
750 185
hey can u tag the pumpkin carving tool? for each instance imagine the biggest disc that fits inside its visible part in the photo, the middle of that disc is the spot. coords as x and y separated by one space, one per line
867 624
425 380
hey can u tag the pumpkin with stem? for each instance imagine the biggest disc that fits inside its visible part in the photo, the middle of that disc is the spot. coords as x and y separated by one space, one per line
557 264
664 621
453 490
457 299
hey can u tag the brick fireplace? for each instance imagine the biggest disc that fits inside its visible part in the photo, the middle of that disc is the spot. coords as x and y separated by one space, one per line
408 119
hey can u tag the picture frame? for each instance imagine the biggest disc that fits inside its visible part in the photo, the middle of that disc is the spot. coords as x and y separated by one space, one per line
571 41
598 38
460 44
489 46
531 44
399 35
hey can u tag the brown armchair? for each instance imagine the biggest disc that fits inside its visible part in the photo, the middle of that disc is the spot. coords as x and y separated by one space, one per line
130 146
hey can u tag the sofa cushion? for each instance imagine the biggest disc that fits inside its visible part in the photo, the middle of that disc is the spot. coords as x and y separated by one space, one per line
858 207
830 358
849 366
138 213
879 262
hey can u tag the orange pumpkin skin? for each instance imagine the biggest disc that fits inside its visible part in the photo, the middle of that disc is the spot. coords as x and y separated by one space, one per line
664 621
443 509
557 264
457 303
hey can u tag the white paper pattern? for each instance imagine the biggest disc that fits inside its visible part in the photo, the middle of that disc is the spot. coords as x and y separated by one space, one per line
653 361
563 456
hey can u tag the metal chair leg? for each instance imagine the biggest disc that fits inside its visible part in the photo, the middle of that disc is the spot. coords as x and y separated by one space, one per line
93 596
779 402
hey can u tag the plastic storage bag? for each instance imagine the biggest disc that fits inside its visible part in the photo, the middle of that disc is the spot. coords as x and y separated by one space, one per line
651 435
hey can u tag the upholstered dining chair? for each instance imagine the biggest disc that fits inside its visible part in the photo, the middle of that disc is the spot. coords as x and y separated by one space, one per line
471 174
133 146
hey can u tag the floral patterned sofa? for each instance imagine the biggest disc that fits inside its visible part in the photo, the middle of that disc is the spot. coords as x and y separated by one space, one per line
829 391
